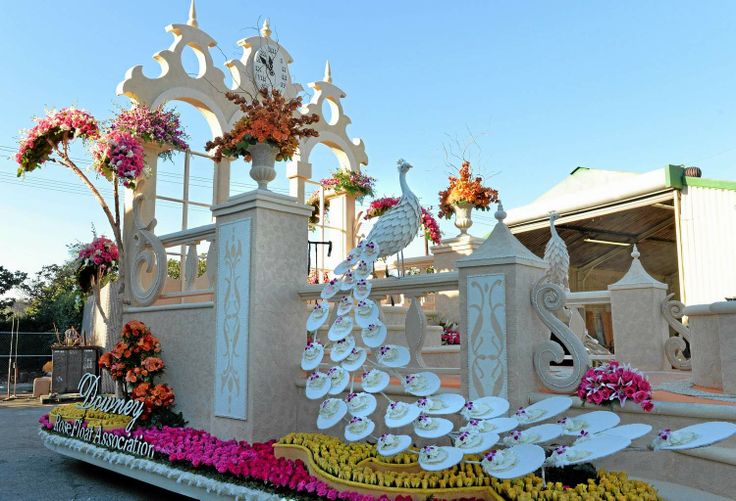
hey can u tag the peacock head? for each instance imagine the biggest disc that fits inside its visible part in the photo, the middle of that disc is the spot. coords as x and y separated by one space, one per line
404 166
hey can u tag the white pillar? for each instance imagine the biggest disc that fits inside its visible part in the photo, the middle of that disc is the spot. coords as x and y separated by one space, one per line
262 260
499 328
639 328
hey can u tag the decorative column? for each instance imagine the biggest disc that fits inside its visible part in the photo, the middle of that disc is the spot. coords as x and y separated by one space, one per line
298 171
146 188
499 327
342 219
639 328
262 260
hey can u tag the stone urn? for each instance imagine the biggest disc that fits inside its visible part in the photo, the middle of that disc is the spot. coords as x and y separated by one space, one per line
263 159
463 219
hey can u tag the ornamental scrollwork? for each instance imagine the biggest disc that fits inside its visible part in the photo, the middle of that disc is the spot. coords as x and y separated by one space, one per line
674 347
147 260
548 298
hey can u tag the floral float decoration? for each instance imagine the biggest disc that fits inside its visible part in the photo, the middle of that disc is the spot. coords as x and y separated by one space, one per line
269 131
463 194
612 382
353 183
133 363
511 446
158 126
431 229
117 156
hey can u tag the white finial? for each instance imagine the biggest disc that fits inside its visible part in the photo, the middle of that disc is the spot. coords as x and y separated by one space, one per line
328 72
192 15
266 30
500 214
635 253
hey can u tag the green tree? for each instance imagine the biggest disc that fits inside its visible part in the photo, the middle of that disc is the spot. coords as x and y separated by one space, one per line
8 281
54 297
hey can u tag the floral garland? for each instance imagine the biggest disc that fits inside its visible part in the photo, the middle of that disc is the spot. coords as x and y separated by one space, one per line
352 183
429 224
97 259
613 381
119 155
101 254
268 118
315 218
156 125
135 360
465 190
37 144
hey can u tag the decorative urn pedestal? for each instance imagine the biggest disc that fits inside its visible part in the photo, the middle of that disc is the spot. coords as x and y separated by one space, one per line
263 159
463 219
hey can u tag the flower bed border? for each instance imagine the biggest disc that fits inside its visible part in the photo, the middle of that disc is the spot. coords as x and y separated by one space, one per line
152 472
296 451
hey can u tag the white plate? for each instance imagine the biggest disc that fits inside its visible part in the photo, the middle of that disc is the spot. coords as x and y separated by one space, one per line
309 364
362 289
338 332
486 441
367 404
535 435
452 456
317 392
371 251
400 414
341 408
348 281
630 431
344 305
393 355
589 450
352 436
592 422
526 458
374 334
402 443
497 425
339 381
485 408
444 403
355 360
342 348
707 434
330 289
443 427
421 384
545 409
348 263
381 381
319 316
366 312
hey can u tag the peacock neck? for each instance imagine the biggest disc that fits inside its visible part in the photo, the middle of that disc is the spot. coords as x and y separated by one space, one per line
402 182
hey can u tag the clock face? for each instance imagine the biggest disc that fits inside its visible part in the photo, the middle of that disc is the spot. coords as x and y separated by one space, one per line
270 69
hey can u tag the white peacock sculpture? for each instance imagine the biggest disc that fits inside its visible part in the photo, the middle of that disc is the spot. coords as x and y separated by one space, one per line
580 439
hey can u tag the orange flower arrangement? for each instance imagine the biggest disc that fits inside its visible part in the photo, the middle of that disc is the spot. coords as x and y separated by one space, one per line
268 118
466 190
135 361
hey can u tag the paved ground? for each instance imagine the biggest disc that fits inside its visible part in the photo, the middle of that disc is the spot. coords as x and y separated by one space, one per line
29 471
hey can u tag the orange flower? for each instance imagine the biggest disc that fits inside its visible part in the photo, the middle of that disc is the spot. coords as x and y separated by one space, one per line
466 190
152 364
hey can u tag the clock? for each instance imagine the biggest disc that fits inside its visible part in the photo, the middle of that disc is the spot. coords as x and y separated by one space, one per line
270 69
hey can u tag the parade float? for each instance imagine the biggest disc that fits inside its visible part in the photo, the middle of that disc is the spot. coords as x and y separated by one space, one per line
275 388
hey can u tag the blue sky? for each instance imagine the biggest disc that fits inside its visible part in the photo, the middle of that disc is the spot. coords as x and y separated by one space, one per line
542 86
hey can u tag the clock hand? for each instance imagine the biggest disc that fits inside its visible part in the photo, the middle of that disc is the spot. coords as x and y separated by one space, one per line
270 65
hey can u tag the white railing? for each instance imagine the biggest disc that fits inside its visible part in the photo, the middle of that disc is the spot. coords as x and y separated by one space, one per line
148 277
